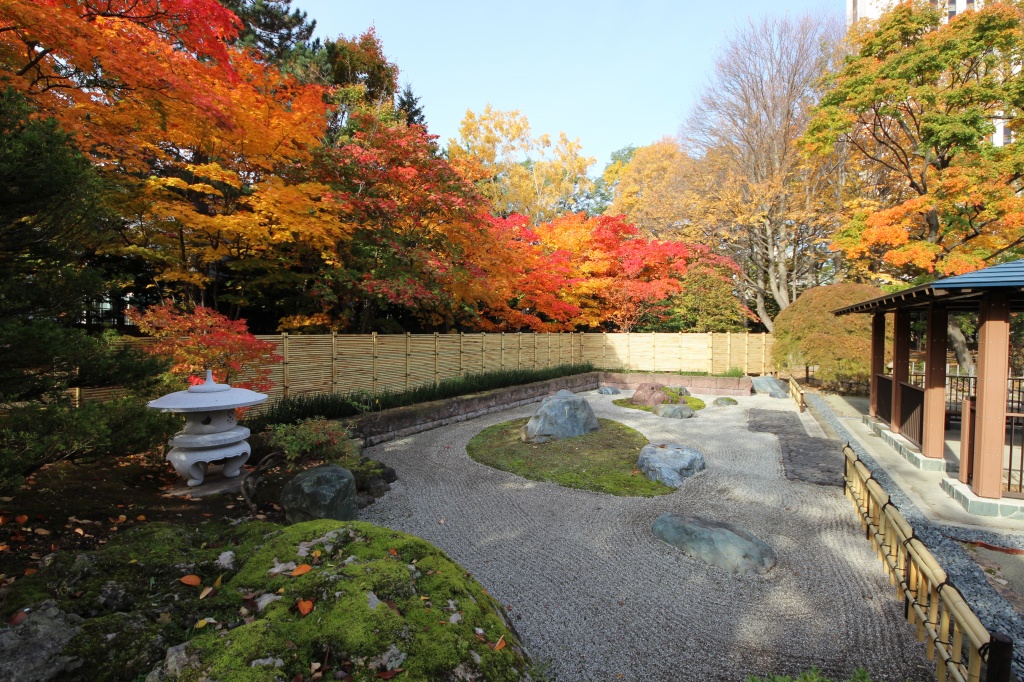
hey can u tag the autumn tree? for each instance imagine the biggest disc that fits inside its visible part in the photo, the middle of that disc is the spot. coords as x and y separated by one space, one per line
750 190
807 334
271 26
650 189
917 104
516 172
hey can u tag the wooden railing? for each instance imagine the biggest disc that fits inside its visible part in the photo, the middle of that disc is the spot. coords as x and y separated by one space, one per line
797 395
884 398
963 650
912 413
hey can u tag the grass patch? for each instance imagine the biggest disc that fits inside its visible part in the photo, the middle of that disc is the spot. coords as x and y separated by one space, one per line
338 405
603 461
691 402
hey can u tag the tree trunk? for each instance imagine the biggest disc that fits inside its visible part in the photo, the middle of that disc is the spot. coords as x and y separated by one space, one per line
762 312
958 343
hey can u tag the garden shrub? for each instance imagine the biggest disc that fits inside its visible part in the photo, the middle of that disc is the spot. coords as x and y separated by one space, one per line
808 334
312 439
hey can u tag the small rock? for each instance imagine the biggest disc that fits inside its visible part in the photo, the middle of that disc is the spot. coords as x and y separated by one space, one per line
455 618
226 561
669 463
608 390
266 600
372 601
364 499
563 415
674 411
724 401
268 662
33 650
389 475
716 543
113 597
279 568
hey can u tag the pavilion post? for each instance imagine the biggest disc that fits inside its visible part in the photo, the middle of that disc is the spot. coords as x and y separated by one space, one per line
900 365
990 420
933 443
877 357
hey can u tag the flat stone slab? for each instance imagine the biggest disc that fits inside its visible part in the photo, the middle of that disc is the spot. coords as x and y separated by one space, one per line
671 411
715 542
214 483
562 415
669 463
805 458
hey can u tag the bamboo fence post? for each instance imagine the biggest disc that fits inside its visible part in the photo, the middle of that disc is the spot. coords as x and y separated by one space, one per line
654 352
334 362
680 351
629 352
502 350
764 353
284 364
535 358
604 350
746 353
437 358
572 349
711 353
483 344
408 358
519 351
728 351
462 354
373 340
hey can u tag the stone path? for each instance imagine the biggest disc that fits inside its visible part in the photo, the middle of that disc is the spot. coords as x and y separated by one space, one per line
812 460
595 595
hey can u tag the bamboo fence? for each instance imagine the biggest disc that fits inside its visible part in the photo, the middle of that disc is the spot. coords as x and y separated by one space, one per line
958 643
343 363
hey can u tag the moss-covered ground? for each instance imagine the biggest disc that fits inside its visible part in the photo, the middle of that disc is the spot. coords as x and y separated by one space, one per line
691 402
366 601
603 461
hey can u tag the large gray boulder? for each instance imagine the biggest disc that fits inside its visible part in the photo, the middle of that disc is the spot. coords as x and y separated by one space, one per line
669 463
324 492
562 415
716 543
671 411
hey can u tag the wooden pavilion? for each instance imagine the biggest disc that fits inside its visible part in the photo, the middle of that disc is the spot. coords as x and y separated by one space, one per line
989 405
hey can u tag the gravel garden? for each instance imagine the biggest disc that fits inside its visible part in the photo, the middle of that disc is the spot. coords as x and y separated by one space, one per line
488 558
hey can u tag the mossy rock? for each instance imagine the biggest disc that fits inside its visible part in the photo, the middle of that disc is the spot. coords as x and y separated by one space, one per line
380 600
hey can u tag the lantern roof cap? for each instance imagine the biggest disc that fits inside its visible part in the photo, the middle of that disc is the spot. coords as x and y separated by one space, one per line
208 396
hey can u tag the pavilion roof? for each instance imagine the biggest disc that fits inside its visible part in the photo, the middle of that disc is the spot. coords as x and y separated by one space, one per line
959 294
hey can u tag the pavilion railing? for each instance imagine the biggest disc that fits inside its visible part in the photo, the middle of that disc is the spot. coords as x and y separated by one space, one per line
912 413
963 650
884 407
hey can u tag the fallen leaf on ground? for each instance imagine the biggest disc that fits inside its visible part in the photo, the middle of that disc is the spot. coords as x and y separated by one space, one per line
393 552
29 571
20 518
207 591
216 583
164 618
388 674
42 531
201 623
17 618
305 606
192 580
500 644
301 569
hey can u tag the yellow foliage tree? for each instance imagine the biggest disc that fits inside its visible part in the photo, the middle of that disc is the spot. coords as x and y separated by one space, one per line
516 172
650 189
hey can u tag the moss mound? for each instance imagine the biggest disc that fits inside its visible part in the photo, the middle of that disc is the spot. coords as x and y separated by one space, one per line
691 402
603 461
372 600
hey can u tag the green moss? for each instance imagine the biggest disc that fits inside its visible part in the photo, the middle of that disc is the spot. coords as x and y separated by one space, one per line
603 461
412 580
691 402
357 559
813 675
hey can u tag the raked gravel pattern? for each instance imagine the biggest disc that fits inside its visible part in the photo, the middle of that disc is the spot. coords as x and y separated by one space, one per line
596 596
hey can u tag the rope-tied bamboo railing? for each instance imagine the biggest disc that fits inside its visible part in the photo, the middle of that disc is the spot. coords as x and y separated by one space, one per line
955 639
796 394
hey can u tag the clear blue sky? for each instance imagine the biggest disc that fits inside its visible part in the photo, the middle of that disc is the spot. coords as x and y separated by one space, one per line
609 73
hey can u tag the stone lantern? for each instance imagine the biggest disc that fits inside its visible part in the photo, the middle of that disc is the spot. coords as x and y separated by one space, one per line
211 430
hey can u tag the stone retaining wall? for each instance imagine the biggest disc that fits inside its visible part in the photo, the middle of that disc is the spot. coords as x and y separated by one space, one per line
379 427
713 385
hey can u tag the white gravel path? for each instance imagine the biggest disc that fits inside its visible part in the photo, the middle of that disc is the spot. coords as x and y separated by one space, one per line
594 593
